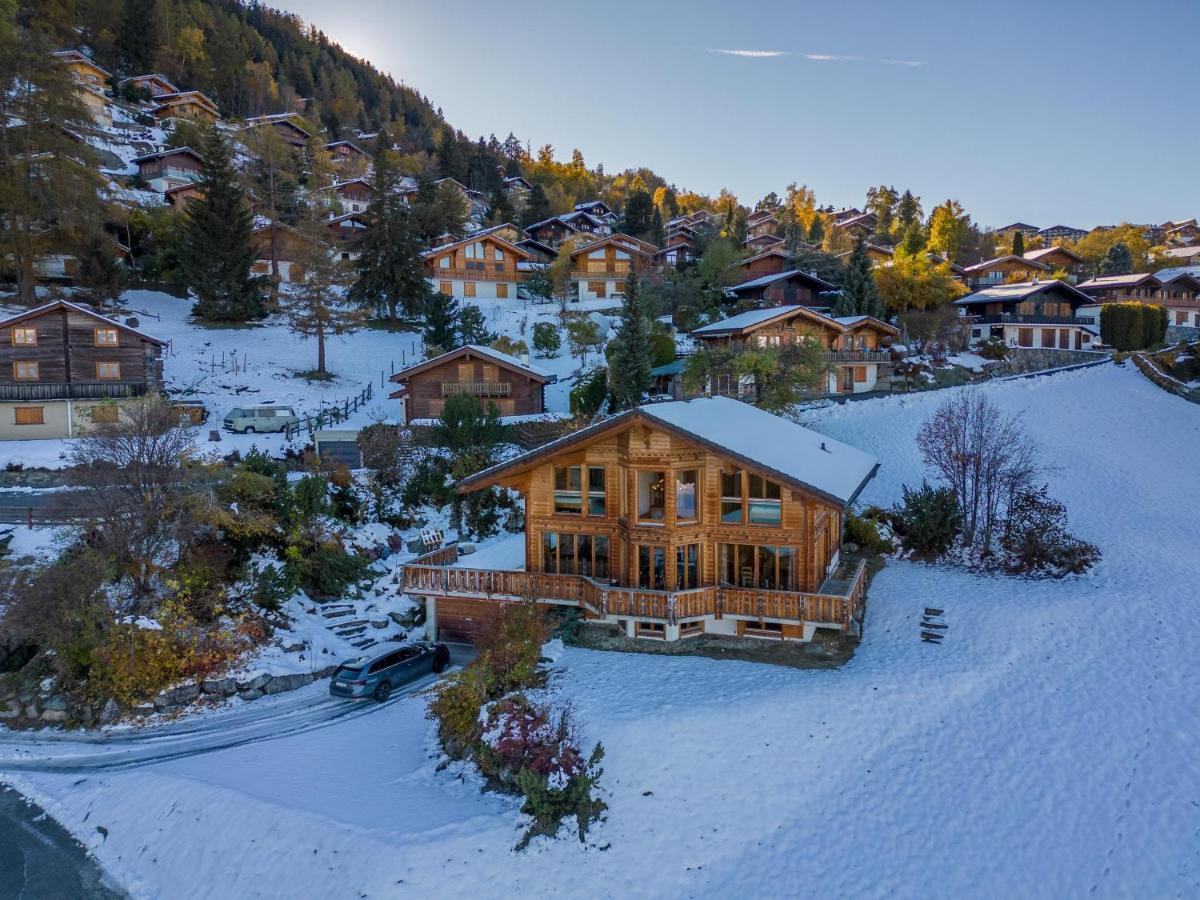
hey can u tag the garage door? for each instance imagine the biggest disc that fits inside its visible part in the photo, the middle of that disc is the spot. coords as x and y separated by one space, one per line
461 621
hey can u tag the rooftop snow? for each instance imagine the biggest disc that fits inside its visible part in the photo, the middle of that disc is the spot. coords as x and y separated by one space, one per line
747 319
764 280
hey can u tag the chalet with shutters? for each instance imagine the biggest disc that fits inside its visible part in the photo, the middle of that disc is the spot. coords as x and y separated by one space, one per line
353 196
552 231
517 190
482 265
342 232
288 126
1177 293
154 84
1045 314
771 261
169 168
761 242
1062 233
601 268
91 84
64 367
1056 258
598 210
670 521
186 106
1004 269
762 224
788 287
516 387
855 347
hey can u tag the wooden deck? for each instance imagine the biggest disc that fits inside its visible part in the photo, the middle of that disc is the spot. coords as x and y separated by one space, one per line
602 600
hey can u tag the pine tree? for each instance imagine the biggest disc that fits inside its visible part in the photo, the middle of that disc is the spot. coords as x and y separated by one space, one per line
472 326
1117 261
908 210
216 254
390 271
537 207
140 36
452 162
859 296
636 218
629 365
913 240
657 234
441 324
1018 243
501 208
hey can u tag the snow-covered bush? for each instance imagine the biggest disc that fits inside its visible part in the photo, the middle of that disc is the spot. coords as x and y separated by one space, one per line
993 348
1036 538
928 520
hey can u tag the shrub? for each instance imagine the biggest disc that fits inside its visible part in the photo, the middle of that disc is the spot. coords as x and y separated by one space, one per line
347 505
310 497
457 701
865 532
993 348
328 570
273 586
427 486
928 520
380 446
505 344
589 393
1037 540
512 646
1132 326
546 340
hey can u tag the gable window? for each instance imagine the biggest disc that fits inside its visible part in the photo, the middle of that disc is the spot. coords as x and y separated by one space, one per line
731 497
685 496
24 337
108 371
444 262
25 371
570 496
651 496
499 255
106 337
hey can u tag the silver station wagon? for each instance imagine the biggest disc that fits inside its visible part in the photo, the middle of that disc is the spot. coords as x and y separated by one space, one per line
377 676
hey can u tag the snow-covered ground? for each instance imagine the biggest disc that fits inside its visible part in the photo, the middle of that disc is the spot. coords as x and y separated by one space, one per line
1046 749
228 367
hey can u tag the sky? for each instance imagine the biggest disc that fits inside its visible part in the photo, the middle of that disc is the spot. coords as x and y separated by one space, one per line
1051 113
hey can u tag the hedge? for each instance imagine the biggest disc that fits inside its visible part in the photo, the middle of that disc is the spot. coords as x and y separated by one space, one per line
1132 326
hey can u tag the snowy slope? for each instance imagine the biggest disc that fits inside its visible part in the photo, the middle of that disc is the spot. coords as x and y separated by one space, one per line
1045 750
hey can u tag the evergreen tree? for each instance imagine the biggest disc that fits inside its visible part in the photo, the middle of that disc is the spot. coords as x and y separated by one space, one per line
913 240
440 333
629 364
537 207
816 232
140 35
472 326
638 213
389 268
452 162
501 208
216 254
1117 261
1018 243
859 296
908 210
657 232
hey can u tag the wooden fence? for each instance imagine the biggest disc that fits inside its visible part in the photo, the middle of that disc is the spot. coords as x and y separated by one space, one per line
331 415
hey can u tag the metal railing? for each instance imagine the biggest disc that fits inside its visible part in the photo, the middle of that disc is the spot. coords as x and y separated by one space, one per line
1027 319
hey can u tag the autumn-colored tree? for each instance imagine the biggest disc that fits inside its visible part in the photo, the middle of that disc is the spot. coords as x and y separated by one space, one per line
915 281
947 224
1095 245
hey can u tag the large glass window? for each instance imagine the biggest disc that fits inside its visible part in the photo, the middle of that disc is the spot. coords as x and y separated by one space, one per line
600 556
651 567
566 553
766 501
685 495
731 497
597 504
550 552
759 566
687 566
651 496
568 490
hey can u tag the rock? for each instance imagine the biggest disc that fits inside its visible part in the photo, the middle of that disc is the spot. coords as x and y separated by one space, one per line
253 694
254 684
293 647
54 715
85 715
397 618
178 696
325 672
379 623
32 711
56 703
110 711
143 709
12 709
281 683
222 687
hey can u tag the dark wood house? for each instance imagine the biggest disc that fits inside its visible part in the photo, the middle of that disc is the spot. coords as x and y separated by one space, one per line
673 520
63 365
791 286
516 387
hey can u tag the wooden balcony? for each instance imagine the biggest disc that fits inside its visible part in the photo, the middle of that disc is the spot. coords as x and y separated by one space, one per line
487 274
857 356
603 600
72 390
477 388
599 274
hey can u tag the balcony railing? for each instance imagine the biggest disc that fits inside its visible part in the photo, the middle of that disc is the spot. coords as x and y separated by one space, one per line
585 274
603 600
73 390
1023 319
488 274
477 388
859 356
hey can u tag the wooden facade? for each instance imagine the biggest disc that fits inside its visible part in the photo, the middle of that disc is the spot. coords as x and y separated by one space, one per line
1004 269
515 388
784 288
482 265
599 269
170 168
645 525
1045 314
192 106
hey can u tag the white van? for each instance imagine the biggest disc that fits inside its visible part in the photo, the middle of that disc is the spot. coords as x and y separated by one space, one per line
252 419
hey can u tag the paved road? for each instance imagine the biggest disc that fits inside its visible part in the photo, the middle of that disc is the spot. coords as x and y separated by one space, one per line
39 860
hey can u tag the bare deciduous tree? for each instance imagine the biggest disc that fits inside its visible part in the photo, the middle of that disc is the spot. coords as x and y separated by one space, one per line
985 457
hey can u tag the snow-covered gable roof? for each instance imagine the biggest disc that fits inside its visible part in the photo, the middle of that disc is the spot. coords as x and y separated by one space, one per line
1105 281
75 307
1014 293
503 359
777 447
755 318
988 264
763 280
1166 275
1038 255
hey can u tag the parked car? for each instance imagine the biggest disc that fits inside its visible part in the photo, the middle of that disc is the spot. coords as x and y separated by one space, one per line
378 676
251 419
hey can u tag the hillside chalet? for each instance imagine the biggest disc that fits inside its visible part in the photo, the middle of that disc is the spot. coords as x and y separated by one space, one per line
855 346
91 84
291 247
1031 314
1178 294
154 84
1003 269
516 387
600 269
169 168
669 521
790 286
288 126
354 195
187 106
64 367
1056 258
483 264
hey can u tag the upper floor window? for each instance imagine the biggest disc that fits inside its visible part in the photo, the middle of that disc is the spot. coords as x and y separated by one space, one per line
651 496
499 255
475 250
25 371
596 254
750 498
24 337
106 337
579 490
444 262
686 484
621 254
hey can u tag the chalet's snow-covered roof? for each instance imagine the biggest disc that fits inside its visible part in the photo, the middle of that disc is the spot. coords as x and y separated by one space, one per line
801 454
764 280
1183 252
1012 293
1038 255
1165 275
175 151
989 263
1117 281
750 319
479 350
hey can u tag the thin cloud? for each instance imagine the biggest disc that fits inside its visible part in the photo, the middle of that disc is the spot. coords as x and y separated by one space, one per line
751 54
838 57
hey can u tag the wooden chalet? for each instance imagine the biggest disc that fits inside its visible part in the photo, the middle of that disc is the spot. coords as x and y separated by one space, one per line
790 286
345 154
516 387
289 126
878 254
169 168
1009 230
1061 232
1181 298
1140 288
599 269
189 106
861 225
758 243
598 210
762 224
517 189
291 248
485 264
1003 269
91 83
64 367
669 521
154 84
353 195
855 347
1177 292
1056 258
1045 314
179 197
342 232
770 261
552 231
539 253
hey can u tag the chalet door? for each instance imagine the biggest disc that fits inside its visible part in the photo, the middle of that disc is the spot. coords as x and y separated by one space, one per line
651 561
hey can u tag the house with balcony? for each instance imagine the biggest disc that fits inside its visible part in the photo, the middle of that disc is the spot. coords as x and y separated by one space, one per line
1177 292
600 269
1056 258
353 195
669 521
167 169
600 211
186 106
787 287
517 190
1002 270
482 265
154 84
1032 314
855 347
762 223
1062 232
346 155
289 126
516 387
761 242
64 368
290 248
91 84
